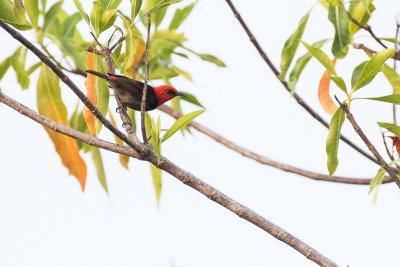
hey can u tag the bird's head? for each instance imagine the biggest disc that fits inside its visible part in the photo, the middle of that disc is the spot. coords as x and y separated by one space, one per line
165 93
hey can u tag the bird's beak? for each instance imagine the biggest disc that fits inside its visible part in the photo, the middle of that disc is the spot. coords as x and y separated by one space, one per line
180 94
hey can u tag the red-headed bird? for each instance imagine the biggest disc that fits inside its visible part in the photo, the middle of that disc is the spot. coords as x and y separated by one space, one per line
130 91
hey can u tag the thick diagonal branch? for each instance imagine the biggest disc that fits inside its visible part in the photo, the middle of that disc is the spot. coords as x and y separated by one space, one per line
299 100
16 35
60 128
185 177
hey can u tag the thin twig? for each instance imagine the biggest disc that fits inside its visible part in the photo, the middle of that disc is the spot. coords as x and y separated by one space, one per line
264 160
146 80
371 51
367 28
370 146
97 41
16 35
299 100
117 43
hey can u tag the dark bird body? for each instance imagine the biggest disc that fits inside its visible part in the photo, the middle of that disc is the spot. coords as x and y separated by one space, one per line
130 91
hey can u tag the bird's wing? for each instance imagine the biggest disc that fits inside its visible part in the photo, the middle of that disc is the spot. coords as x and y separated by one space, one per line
135 88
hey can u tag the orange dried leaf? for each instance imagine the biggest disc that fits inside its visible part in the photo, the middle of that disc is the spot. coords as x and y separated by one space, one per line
90 93
123 159
396 143
140 49
50 105
323 92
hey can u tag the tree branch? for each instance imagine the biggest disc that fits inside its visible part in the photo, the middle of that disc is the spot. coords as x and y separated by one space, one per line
16 35
367 28
371 51
370 146
146 81
185 177
264 160
299 100
60 128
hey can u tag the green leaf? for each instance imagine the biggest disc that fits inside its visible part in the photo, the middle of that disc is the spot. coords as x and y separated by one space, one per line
6 14
179 71
395 98
77 122
390 127
147 124
110 4
191 99
18 63
339 82
82 12
135 7
95 16
130 50
290 47
321 56
180 15
33 68
372 68
361 12
69 24
161 4
212 59
4 66
155 136
377 180
340 20
98 163
18 12
300 65
132 117
357 72
51 15
108 19
32 8
157 181
102 90
332 142
180 123
393 77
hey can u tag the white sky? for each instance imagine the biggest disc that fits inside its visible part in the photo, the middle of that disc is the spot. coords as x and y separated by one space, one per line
47 221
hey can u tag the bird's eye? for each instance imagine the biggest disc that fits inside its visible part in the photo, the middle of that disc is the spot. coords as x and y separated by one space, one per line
169 91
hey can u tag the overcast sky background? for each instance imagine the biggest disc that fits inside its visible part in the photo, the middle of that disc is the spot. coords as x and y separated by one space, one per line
45 219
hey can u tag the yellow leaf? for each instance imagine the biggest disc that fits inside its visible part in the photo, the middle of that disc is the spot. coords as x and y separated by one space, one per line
323 92
123 159
90 93
50 105
140 49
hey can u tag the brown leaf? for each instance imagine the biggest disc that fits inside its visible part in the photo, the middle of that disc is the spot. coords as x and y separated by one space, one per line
396 143
323 92
90 93
140 49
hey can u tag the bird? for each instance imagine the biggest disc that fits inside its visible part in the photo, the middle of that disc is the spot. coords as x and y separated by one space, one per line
130 91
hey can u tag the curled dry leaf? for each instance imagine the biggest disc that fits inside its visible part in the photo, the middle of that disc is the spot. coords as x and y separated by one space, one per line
90 93
396 143
323 92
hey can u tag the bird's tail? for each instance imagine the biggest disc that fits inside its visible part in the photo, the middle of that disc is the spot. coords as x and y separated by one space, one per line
101 75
